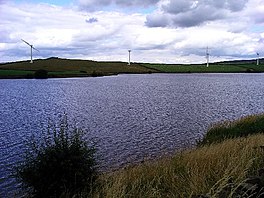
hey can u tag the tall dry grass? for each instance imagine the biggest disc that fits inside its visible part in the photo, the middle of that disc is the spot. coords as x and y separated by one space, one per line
203 170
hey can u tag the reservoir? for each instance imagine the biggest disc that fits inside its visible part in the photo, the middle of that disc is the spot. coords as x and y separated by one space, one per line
131 117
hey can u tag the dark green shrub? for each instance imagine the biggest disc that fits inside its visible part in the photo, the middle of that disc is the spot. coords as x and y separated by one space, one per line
249 70
60 163
29 76
96 74
41 74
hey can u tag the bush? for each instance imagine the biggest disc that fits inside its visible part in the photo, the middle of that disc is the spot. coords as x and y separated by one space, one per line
249 70
41 74
60 163
29 76
96 74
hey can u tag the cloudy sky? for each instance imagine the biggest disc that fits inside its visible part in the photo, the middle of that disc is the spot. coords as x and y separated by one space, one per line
162 31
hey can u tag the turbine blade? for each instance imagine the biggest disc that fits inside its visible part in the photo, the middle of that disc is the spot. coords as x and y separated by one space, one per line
35 48
26 42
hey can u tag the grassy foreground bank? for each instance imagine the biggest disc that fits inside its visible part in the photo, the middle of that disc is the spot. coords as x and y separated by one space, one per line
207 169
62 164
204 170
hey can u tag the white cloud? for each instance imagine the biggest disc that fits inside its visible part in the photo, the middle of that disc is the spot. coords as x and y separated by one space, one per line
235 31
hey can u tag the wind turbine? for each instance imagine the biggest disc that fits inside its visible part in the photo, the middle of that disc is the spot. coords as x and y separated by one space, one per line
31 49
258 58
129 51
207 56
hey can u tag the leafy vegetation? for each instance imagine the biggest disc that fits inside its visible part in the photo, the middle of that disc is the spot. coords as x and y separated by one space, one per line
243 127
60 163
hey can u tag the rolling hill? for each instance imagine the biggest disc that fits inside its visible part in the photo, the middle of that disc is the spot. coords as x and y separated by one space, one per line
57 67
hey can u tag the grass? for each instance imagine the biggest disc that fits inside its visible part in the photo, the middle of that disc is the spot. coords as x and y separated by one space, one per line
15 72
213 68
30 74
58 67
74 68
204 170
208 169
243 127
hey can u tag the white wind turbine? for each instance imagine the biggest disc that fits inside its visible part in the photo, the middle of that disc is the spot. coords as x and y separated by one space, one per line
207 56
31 49
129 51
257 58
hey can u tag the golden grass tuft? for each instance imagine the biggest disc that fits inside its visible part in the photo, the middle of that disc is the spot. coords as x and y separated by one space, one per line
199 171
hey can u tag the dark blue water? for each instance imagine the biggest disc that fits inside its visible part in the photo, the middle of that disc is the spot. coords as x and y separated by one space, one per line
133 117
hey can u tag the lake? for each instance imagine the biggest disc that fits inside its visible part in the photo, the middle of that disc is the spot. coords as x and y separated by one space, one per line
132 117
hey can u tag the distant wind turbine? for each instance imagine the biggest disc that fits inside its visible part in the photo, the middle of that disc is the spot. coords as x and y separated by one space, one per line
129 51
207 56
257 58
31 49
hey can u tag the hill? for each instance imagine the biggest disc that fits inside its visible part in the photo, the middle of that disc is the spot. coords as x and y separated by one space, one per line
57 67
237 66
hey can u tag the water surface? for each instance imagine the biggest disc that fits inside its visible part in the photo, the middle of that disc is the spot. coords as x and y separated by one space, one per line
133 117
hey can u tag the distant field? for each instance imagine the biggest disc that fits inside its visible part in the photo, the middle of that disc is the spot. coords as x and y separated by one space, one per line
213 68
57 67
15 73
30 74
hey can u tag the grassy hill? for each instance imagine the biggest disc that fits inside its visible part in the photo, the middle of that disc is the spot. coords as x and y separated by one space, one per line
219 67
57 67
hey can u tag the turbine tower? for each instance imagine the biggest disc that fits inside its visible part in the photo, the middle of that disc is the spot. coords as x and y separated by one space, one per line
31 49
207 56
257 58
129 51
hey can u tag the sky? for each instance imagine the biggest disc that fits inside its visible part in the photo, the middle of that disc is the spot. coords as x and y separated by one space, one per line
157 31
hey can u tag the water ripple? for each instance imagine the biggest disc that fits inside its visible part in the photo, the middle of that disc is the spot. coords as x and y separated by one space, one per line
133 117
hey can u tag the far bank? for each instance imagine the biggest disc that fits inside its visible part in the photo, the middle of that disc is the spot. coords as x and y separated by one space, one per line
66 68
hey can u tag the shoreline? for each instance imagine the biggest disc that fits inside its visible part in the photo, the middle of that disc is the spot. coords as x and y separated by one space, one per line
116 74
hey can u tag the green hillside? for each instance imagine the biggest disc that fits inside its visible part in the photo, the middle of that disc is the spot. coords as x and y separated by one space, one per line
221 67
57 67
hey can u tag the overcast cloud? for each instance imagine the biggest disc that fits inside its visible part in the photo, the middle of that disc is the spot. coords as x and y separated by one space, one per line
167 31
95 5
182 13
